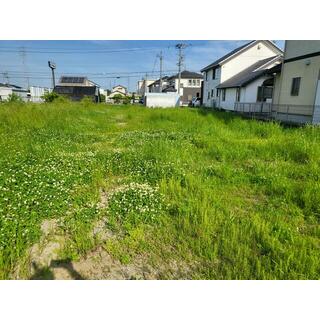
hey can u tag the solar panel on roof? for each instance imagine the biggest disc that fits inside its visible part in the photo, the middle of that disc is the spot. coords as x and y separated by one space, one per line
72 79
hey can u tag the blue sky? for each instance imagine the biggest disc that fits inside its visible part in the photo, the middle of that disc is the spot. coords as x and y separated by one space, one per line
105 62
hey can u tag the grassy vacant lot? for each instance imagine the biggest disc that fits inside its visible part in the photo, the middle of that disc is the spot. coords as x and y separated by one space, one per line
95 191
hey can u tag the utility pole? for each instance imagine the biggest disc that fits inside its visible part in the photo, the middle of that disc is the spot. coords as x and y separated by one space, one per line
25 69
161 58
145 84
180 47
6 77
52 66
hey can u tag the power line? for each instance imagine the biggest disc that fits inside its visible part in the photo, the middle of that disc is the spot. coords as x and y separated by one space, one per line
72 51
34 74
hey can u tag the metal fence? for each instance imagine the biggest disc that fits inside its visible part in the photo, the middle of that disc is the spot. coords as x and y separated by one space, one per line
281 112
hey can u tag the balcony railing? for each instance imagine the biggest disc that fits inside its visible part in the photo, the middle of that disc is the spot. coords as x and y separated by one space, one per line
281 112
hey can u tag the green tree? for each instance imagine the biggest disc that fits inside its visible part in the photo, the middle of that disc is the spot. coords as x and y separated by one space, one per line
117 98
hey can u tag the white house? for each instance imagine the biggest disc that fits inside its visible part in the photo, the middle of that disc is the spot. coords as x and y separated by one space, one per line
232 64
119 89
251 85
7 89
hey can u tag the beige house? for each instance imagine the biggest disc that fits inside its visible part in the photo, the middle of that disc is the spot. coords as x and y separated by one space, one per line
297 87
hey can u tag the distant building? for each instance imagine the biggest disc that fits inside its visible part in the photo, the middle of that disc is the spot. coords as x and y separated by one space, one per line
120 90
154 87
190 86
36 93
76 88
7 89
143 85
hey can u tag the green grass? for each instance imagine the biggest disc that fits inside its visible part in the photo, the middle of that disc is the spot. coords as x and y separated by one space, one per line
231 198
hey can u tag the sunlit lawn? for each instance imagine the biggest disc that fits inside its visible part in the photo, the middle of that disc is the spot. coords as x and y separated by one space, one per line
225 197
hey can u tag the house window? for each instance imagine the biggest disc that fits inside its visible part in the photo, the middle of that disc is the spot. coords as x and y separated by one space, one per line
264 93
206 76
194 82
198 82
213 74
212 93
190 82
217 92
238 94
223 94
295 86
208 95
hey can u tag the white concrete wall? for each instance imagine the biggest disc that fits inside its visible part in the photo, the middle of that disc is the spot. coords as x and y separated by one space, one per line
163 100
37 92
5 92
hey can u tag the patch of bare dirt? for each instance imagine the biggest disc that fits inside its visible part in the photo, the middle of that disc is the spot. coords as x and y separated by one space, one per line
100 265
41 254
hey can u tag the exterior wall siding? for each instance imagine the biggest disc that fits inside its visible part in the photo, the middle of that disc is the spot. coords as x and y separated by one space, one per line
309 77
209 85
245 60
276 89
228 104
316 113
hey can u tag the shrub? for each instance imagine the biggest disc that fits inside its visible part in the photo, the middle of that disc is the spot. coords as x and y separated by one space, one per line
50 96
86 101
13 98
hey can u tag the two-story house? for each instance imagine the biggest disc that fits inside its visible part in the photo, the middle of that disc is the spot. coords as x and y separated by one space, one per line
155 85
76 88
190 85
249 58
